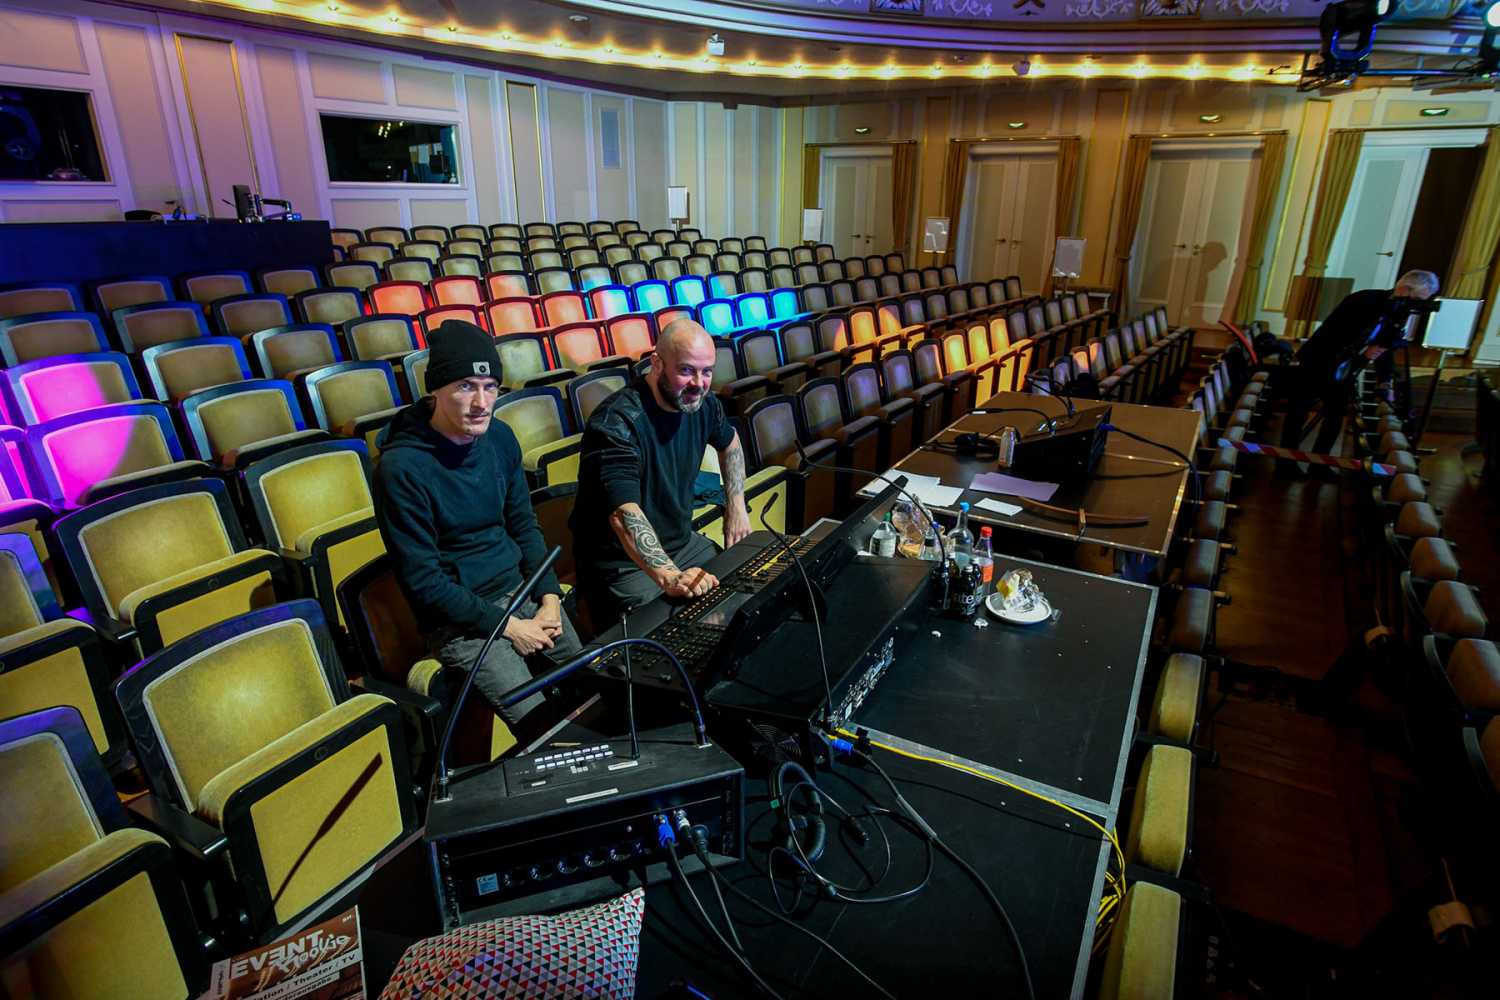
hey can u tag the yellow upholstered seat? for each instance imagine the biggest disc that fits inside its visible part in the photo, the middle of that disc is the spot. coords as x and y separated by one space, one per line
159 563
251 727
74 875
1160 817
549 453
314 505
1142 959
1174 713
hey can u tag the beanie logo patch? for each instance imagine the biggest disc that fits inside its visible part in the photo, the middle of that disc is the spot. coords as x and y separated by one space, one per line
481 368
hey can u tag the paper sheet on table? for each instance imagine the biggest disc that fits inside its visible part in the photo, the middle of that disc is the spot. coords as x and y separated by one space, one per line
929 489
997 482
999 507
913 480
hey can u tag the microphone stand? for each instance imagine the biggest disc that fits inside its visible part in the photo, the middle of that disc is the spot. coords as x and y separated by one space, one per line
516 600
900 484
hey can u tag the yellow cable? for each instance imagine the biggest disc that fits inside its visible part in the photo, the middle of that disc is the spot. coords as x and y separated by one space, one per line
1119 885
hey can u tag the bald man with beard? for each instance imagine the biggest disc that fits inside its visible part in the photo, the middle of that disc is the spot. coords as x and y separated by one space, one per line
633 519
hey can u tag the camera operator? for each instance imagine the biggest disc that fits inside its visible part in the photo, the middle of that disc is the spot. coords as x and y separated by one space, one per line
1362 329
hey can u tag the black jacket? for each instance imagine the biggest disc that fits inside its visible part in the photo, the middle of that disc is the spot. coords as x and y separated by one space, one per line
456 519
1346 327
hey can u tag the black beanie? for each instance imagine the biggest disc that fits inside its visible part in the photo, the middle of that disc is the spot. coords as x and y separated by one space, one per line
459 350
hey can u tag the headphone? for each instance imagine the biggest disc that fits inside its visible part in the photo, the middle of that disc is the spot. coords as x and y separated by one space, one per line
980 446
803 851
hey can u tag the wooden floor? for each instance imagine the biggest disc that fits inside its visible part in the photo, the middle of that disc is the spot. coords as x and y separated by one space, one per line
1312 822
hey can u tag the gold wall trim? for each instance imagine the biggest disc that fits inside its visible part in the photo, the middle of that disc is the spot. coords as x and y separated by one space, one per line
1312 188
510 130
187 90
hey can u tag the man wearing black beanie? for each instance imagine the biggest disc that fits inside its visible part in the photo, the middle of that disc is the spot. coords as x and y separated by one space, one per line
455 513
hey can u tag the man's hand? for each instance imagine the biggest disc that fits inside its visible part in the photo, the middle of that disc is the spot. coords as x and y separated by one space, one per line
549 615
736 521
528 635
686 583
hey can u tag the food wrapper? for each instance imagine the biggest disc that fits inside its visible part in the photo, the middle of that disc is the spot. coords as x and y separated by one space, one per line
1018 590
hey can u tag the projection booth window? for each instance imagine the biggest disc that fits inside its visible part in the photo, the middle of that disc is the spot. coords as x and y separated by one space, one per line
382 151
48 135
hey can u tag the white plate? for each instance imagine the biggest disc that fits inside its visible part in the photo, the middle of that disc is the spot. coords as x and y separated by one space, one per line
1040 612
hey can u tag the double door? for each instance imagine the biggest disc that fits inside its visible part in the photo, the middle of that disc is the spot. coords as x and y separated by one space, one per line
1188 238
856 199
1009 216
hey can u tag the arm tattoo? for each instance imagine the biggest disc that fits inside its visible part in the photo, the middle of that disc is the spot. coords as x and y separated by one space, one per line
640 536
733 462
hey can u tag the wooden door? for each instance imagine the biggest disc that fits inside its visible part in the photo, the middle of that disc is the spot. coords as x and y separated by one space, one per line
1372 231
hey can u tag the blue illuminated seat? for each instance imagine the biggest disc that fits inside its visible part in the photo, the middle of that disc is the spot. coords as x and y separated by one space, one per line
688 290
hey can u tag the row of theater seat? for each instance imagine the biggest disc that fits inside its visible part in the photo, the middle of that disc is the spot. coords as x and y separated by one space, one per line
1165 938
1431 645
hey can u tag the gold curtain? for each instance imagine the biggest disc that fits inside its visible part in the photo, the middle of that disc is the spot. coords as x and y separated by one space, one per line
1333 191
1068 153
1272 159
1481 232
903 191
955 169
1132 192
812 160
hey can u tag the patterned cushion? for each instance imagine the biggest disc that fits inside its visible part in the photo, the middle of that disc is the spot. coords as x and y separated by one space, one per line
587 953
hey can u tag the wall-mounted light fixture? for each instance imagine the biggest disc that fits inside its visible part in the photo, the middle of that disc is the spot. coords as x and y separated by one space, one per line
1434 112
1210 119
1015 124
862 130
715 44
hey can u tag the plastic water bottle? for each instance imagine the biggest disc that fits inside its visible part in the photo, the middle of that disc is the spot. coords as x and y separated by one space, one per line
883 539
984 557
961 542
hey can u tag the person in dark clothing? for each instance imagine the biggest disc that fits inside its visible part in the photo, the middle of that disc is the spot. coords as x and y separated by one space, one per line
633 519
454 511
1329 360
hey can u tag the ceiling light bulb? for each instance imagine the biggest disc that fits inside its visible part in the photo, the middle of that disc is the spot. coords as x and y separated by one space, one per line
394 19
1210 119
578 18
452 27
1015 124
862 130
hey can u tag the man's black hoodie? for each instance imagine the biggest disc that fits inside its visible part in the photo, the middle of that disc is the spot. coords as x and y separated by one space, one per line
457 520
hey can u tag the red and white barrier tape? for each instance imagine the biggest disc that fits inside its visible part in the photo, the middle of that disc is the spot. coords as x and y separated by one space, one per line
1295 455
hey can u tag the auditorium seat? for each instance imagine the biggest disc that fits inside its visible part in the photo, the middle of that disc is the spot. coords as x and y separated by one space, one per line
312 504
1159 836
207 287
39 297
235 424
393 235
1178 704
1144 946
551 279
287 281
825 414
50 658
898 379
1445 608
94 453
607 300
550 448
581 346
354 399
959 384
429 320
179 368
309 788
161 562
863 398
563 306
244 315
137 290
525 357
152 323
406 297
736 388
457 290
291 351
380 337
49 335
356 274
774 432
630 335
418 250
55 387
1469 670
77 873
585 392
759 353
